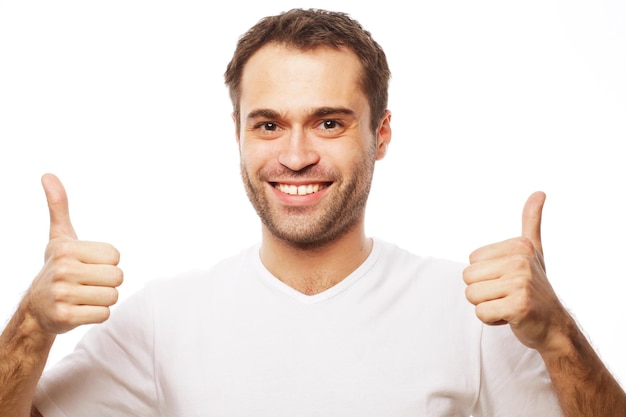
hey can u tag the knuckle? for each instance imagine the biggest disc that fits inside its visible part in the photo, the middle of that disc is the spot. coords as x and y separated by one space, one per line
470 294
59 249
475 255
526 246
522 305
60 270
520 262
110 276
63 316
103 296
117 277
482 312
60 293
103 315
467 275
113 296
520 285
113 254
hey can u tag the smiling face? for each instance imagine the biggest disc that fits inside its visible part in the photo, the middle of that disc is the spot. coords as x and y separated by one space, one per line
307 150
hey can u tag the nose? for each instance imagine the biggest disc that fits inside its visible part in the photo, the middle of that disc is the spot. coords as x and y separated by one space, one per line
298 151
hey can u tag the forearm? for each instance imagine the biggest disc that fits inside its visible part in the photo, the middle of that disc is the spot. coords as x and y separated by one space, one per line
583 384
24 350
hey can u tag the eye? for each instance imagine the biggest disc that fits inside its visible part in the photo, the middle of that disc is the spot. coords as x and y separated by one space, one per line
330 128
265 129
329 124
268 126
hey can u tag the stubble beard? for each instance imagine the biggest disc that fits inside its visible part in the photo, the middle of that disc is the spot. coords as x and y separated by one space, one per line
303 228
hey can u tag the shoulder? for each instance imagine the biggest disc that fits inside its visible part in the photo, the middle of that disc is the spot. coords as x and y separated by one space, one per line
187 290
427 270
430 284
225 272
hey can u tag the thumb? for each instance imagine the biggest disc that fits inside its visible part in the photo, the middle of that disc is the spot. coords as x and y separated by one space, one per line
60 224
531 219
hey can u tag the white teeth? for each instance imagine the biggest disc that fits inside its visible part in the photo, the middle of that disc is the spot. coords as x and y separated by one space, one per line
298 189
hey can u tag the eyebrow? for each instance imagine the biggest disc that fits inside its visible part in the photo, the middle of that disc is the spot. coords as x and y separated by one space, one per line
319 112
327 111
264 113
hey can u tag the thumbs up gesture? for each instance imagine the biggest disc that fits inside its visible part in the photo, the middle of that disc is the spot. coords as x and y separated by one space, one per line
78 281
507 283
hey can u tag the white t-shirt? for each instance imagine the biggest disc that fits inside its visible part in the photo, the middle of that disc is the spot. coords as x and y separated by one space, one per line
395 338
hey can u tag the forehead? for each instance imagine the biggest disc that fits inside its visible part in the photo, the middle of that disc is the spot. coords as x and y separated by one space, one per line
279 76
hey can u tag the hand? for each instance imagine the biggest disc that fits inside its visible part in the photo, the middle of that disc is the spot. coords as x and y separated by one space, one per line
507 283
78 281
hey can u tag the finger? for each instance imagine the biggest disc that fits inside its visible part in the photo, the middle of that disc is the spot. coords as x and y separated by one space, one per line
71 316
103 275
94 275
60 224
482 271
484 291
84 251
531 219
97 253
502 250
494 311
90 295
89 314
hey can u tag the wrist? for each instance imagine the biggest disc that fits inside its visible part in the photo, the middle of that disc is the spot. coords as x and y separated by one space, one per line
26 331
562 341
570 353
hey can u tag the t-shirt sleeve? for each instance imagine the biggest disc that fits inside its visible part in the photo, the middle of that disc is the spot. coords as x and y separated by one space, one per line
111 371
514 379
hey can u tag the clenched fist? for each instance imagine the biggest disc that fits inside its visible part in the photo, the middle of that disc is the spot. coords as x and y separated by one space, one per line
78 281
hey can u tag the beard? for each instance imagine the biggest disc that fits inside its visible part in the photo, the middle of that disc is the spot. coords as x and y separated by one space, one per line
312 227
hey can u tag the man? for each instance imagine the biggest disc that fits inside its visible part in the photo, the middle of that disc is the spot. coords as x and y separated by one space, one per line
318 319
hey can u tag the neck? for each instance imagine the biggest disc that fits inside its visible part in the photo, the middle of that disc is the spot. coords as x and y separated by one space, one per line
314 270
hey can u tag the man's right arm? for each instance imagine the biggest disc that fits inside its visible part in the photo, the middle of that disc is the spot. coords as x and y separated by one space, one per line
23 354
76 286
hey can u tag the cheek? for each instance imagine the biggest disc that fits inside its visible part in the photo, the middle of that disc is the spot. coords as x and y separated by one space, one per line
255 155
352 153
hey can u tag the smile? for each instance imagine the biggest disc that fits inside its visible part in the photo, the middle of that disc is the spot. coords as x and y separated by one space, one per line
304 189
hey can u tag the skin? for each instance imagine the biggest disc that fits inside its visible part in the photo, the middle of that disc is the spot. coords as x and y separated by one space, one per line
507 283
76 286
317 138
289 136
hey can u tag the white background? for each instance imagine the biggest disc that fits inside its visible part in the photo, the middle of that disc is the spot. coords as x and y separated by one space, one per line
491 100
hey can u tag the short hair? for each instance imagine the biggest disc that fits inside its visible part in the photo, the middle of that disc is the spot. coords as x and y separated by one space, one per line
309 29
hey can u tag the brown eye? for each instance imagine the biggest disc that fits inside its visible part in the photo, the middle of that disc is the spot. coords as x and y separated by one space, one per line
329 124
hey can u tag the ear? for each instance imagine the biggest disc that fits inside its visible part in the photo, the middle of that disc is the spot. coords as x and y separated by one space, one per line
383 136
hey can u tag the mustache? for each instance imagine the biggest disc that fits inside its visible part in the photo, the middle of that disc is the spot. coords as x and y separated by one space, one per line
312 172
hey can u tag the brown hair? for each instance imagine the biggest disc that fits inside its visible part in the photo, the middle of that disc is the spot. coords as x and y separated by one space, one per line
309 29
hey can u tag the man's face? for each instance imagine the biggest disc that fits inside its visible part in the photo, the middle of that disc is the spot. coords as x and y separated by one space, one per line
307 151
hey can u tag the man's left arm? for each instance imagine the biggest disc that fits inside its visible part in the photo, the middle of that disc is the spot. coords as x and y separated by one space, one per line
507 283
